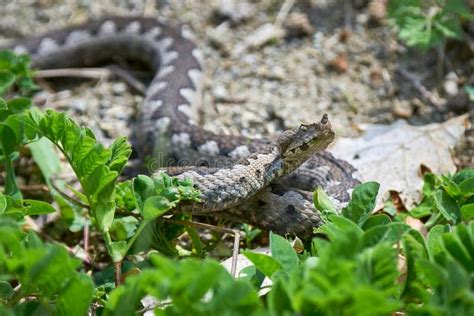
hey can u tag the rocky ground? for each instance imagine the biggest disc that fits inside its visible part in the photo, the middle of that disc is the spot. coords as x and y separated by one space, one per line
332 56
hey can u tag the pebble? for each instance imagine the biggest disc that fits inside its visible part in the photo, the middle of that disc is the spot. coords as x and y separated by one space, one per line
450 84
234 11
79 105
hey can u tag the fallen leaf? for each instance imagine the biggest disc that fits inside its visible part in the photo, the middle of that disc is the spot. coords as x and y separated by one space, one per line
392 155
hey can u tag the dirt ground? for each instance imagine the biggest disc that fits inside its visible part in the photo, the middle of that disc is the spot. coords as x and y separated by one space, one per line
337 57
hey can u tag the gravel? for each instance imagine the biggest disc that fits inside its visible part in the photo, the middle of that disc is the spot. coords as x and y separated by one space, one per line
290 78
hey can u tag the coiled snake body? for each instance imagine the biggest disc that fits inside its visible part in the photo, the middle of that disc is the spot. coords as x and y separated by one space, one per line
236 175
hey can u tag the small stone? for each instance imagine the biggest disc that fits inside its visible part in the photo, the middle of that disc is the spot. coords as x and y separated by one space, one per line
377 10
219 37
298 25
402 109
340 63
79 105
450 84
265 34
219 92
234 11
119 88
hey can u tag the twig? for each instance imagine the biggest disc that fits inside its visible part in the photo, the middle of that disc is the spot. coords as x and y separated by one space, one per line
129 78
348 15
427 95
94 73
118 273
284 11
235 232
86 240
91 73
65 195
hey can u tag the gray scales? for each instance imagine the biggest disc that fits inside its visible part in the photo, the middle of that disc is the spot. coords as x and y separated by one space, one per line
263 182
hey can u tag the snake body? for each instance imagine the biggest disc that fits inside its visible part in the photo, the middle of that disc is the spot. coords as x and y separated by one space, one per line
237 175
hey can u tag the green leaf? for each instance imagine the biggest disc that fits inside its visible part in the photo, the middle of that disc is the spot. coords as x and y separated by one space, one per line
6 81
278 299
119 250
19 105
447 206
143 188
376 220
156 206
467 187
389 233
322 202
6 291
8 140
266 264
3 203
467 211
46 158
34 207
283 252
435 241
104 213
76 297
362 203
120 150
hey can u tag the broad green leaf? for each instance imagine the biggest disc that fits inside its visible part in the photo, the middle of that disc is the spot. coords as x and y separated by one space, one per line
467 187
35 207
389 233
19 105
143 188
104 213
362 203
340 226
119 250
283 252
75 298
447 206
467 211
278 299
266 264
3 203
46 158
3 104
322 202
434 242
8 140
460 245
120 151
155 206
450 186
6 81
6 291
376 220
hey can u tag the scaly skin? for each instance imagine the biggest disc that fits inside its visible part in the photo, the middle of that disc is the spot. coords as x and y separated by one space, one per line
166 130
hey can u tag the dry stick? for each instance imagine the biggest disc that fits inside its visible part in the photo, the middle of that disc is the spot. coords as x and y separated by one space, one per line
284 11
427 95
117 273
236 233
94 73
86 240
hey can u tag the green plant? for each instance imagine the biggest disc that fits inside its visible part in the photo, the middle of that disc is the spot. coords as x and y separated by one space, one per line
447 198
359 263
427 24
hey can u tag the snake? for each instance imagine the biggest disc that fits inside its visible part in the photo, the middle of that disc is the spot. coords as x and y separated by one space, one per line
266 182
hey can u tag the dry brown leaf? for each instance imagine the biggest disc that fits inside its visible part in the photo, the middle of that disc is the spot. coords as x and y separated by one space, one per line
392 155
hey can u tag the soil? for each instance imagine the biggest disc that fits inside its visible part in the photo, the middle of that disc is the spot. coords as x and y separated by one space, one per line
337 57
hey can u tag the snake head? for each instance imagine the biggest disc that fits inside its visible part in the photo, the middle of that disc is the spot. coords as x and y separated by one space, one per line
298 144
